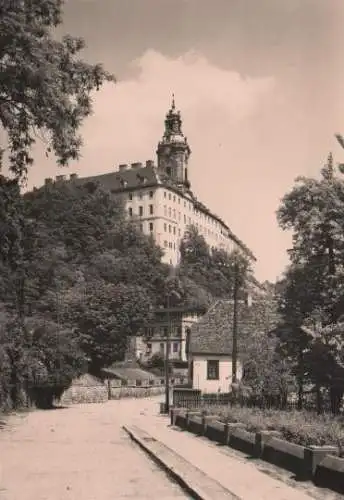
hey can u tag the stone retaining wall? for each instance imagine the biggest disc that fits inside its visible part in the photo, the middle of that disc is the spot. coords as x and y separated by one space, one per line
321 464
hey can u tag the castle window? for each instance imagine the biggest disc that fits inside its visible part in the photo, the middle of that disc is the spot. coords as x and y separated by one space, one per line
130 212
151 209
151 226
140 211
151 194
130 196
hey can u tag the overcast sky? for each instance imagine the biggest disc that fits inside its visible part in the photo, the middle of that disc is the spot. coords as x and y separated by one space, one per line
259 84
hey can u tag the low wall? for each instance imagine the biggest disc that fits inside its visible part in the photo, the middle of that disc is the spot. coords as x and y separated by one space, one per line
86 389
321 464
89 389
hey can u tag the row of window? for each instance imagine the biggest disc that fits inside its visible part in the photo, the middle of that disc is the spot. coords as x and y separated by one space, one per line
171 229
170 244
163 331
175 346
188 205
140 195
150 226
150 210
191 206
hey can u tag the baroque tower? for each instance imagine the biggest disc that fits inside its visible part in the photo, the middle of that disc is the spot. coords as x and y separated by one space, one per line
173 150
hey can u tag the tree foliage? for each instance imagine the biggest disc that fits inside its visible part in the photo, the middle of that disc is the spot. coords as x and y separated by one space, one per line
45 86
311 291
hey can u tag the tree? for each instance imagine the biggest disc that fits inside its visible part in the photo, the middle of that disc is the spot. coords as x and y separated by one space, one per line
104 316
314 283
44 87
314 211
214 270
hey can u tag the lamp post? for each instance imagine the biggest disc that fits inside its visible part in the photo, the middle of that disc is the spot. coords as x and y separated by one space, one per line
167 358
235 323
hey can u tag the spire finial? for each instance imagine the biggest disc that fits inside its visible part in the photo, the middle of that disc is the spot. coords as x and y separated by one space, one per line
173 103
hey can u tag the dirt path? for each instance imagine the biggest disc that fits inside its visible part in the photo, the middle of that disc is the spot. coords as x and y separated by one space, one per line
78 453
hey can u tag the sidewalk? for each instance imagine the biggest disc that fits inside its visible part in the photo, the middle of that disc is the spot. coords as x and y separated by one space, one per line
240 477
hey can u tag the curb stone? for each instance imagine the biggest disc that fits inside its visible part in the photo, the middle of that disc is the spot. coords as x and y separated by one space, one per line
189 477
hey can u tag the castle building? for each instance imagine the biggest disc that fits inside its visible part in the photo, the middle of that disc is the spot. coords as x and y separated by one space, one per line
158 197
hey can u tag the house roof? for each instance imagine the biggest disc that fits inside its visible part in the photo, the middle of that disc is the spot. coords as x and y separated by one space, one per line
129 373
213 333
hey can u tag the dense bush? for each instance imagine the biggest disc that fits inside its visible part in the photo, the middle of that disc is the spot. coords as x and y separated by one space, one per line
300 427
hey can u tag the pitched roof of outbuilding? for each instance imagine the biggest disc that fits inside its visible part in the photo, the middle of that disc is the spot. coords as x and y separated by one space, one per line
213 333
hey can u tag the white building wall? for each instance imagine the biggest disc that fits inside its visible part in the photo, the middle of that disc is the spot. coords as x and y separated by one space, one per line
200 380
172 214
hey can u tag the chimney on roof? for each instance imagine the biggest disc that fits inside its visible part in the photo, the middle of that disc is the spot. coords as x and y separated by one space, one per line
149 163
60 178
48 180
137 164
123 166
73 176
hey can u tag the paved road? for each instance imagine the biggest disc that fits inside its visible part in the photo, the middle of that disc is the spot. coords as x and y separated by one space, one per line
79 453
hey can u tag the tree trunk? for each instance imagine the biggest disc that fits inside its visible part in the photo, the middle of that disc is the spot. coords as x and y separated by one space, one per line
336 395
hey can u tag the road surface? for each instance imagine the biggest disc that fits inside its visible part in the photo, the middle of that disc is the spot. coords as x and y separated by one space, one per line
79 453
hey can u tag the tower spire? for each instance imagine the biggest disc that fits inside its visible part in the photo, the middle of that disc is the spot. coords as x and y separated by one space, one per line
173 107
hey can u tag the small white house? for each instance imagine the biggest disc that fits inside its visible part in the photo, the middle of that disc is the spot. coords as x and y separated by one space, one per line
211 342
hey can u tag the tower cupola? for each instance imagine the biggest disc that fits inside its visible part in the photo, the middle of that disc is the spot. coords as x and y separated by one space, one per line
173 150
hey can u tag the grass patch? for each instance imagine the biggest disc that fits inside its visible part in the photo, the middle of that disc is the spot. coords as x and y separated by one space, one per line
299 427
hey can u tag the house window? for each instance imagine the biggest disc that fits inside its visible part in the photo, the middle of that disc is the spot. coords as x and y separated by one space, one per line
164 194
169 228
169 196
151 226
174 197
165 244
140 210
140 196
130 196
175 347
213 369
169 211
162 348
151 209
165 227
141 228
130 212
151 194
174 230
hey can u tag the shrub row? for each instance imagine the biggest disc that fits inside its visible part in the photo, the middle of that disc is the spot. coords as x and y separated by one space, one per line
299 427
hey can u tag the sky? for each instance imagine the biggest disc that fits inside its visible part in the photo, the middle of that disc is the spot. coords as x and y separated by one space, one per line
259 84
